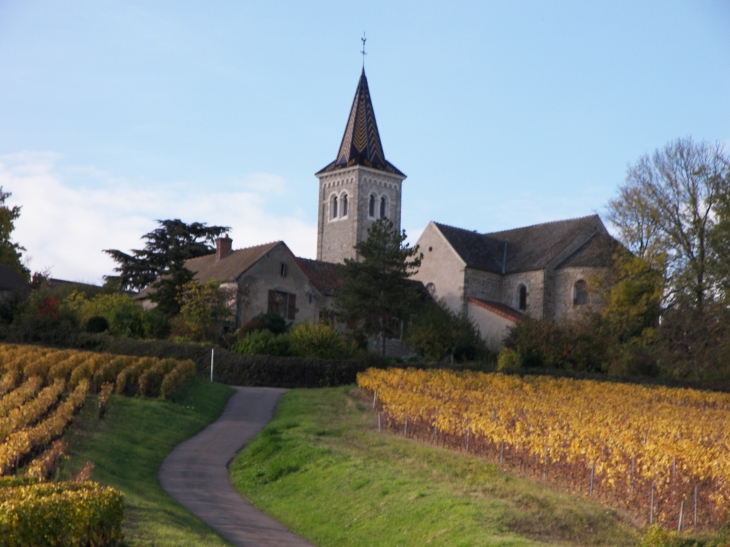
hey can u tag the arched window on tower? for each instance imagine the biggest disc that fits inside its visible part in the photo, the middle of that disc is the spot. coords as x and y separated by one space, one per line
344 205
580 293
371 207
522 298
382 207
333 207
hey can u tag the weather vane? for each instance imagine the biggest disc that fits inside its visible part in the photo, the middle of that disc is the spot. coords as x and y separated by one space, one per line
363 49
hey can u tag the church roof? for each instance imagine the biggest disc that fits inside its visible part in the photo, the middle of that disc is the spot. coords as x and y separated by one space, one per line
324 275
361 143
598 251
518 250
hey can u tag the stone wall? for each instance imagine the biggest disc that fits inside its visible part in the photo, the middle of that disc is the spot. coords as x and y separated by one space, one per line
493 327
337 236
534 281
481 284
564 280
265 275
441 269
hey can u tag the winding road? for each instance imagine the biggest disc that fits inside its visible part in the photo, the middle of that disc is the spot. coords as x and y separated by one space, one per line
195 473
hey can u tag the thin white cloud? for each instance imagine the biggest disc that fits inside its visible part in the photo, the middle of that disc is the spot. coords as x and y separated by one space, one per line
66 227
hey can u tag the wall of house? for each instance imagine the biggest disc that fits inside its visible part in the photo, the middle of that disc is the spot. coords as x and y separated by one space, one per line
337 236
265 275
564 280
481 284
534 281
493 327
442 267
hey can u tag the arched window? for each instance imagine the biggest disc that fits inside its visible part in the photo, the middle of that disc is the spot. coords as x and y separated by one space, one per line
344 205
333 207
382 207
371 207
580 293
522 298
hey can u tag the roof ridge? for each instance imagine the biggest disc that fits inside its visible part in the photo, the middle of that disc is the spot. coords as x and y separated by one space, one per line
542 224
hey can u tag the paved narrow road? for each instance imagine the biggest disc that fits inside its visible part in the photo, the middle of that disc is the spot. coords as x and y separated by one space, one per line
195 473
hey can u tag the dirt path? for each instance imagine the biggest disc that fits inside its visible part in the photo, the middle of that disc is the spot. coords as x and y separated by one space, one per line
195 473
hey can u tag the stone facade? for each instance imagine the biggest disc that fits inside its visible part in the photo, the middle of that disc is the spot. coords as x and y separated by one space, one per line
442 270
340 229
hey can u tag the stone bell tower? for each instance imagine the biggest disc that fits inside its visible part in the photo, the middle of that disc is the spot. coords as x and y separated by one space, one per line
359 187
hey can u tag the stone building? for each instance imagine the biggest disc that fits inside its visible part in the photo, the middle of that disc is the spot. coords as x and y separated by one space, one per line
542 271
359 186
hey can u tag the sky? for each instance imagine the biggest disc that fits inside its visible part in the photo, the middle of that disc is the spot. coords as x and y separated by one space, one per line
503 114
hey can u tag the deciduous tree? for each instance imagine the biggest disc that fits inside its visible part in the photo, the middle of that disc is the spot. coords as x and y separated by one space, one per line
11 253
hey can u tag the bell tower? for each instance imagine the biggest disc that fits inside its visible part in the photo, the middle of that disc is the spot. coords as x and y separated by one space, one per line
359 187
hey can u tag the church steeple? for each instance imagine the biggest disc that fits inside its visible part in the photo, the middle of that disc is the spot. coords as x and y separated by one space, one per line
361 143
359 187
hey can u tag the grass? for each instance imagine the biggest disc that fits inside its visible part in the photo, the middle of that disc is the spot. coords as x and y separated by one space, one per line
323 470
128 447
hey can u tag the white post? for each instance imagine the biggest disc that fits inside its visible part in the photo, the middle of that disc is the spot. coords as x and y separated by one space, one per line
212 354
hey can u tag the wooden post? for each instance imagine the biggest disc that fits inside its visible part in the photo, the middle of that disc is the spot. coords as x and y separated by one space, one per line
375 398
435 433
674 468
380 424
405 427
593 473
694 520
633 463
544 467
651 505
501 454
681 516
212 355
468 433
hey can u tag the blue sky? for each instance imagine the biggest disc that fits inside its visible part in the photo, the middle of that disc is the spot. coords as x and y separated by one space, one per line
502 114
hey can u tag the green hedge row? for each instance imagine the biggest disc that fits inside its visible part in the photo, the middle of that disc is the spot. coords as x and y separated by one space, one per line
60 514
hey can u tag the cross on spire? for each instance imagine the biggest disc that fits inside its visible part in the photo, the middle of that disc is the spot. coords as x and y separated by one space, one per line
364 39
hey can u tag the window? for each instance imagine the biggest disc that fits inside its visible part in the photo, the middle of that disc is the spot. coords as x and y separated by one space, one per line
382 207
522 298
283 270
283 303
371 207
580 293
344 205
333 207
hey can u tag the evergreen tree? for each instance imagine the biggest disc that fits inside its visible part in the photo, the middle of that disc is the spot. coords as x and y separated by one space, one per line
10 252
376 296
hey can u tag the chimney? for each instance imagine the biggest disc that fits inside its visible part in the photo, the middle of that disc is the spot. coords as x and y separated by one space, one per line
222 247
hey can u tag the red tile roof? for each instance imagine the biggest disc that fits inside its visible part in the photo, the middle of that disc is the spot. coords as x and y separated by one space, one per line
500 309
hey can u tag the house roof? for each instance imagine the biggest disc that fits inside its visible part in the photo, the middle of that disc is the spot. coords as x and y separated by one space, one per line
598 251
10 280
324 275
361 143
230 266
528 248
497 307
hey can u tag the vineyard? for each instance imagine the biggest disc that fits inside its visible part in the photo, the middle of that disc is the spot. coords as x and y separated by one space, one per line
41 390
661 453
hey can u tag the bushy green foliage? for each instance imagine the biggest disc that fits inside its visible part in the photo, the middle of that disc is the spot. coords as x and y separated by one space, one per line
97 323
272 322
60 514
437 333
317 340
508 359
204 308
263 342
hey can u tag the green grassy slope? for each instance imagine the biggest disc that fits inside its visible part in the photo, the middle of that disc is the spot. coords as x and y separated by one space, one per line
128 447
322 469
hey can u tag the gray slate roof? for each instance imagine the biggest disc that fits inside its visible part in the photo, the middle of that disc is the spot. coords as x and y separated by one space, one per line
230 266
598 251
528 248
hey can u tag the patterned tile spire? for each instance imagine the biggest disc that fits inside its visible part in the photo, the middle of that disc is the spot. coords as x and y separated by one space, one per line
361 142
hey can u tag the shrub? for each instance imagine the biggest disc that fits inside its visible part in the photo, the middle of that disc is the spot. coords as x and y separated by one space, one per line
97 323
177 378
263 342
317 340
508 359
56 514
437 333
272 322
150 381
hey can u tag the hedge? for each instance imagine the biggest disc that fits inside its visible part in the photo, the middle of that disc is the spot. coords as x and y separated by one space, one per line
61 514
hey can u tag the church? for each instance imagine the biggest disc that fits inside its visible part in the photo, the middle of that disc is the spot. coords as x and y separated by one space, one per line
540 271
